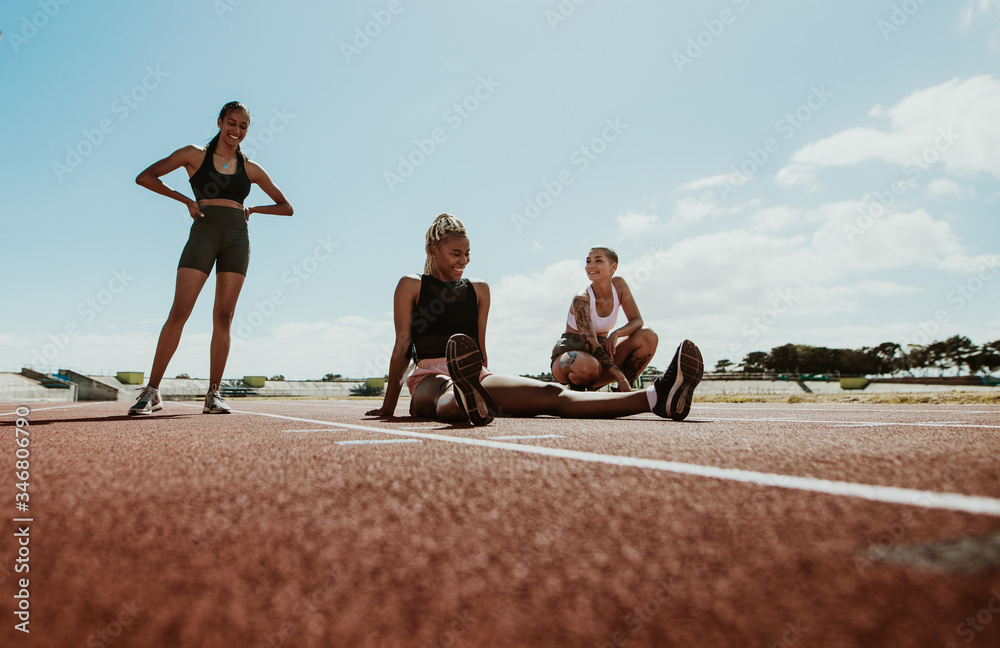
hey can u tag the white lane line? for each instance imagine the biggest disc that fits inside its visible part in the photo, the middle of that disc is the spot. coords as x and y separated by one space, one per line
379 441
920 424
43 409
890 494
530 436
903 408
860 423
319 430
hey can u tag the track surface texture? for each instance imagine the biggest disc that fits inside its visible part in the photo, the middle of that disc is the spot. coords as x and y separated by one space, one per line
305 523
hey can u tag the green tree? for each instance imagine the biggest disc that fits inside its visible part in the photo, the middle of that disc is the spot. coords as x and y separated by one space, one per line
958 349
986 360
364 389
937 356
754 362
917 357
889 357
783 359
723 365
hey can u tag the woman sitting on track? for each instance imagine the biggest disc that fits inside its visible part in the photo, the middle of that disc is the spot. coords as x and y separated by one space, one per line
220 176
440 320
589 354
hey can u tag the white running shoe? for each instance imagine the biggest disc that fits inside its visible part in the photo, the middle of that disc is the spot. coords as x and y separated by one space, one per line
214 404
147 402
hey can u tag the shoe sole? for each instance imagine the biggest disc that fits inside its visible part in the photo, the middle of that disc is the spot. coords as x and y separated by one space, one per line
209 410
465 363
155 408
690 369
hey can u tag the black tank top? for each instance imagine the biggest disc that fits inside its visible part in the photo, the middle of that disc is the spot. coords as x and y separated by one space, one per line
207 183
443 309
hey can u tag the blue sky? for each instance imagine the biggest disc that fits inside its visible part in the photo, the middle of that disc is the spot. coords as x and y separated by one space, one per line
769 172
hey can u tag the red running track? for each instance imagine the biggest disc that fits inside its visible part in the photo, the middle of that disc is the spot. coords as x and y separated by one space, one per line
309 524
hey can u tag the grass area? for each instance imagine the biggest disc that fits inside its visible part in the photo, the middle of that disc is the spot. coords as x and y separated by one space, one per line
918 398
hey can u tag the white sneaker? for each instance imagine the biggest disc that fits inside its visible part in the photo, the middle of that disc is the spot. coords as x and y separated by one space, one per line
147 403
214 404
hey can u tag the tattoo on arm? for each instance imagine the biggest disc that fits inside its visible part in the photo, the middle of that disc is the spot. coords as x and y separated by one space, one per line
581 310
603 357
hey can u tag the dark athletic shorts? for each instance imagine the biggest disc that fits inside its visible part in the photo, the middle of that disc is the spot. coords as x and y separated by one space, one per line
575 342
219 239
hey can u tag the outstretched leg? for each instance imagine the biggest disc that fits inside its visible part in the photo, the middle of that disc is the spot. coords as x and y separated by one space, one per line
516 396
188 287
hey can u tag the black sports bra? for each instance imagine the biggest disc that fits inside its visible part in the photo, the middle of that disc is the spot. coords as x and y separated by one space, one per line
443 309
207 183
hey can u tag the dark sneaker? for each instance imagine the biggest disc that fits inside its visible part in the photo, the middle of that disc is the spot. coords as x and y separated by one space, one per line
214 403
675 387
147 403
465 362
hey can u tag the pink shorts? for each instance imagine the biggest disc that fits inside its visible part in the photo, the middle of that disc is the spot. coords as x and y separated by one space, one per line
434 367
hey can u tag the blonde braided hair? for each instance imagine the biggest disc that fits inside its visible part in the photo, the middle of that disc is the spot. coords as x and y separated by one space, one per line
444 225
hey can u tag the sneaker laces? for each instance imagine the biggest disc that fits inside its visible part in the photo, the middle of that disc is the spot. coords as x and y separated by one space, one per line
144 391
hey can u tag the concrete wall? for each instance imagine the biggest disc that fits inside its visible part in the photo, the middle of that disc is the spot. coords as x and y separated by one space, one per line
17 388
89 389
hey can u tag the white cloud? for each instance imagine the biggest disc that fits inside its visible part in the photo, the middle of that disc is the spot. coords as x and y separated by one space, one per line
352 346
944 187
693 209
689 210
954 123
985 264
632 223
710 182
709 286
974 8
796 174
775 219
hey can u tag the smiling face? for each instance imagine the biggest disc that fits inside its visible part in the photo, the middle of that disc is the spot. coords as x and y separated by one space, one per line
233 127
599 265
451 255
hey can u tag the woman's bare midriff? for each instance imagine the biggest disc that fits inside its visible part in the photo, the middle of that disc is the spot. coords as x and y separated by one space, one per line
220 202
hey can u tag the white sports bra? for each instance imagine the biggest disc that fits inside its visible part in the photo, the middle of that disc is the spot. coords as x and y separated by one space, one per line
602 325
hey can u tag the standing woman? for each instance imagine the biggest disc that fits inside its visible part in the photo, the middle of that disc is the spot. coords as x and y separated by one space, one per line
590 355
440 319
220 176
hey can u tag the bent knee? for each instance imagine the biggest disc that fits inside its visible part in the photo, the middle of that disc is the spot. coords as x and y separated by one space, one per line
586 372
647 338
